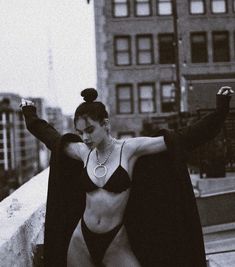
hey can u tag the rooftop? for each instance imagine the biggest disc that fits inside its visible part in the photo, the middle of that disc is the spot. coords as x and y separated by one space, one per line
22 223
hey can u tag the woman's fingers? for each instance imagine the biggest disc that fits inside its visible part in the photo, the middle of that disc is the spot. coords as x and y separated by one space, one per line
225 90
25 102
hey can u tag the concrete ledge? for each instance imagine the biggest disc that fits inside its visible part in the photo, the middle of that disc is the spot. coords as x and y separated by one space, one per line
22 222
211 186
216 208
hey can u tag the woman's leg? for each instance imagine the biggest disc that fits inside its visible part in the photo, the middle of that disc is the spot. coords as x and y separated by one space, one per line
119 252
78 254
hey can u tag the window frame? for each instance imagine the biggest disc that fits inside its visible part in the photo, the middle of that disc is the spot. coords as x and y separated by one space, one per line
204 34
227 42
160 50
218 13
150 4
118 100
197 14
128 9
138 51
169 1
173 83
153 97
116 52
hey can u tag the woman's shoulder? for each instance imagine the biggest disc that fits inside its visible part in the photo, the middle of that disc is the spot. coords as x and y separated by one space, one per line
76 150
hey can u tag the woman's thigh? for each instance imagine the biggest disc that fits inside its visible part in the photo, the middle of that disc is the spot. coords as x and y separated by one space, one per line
78 254
119 252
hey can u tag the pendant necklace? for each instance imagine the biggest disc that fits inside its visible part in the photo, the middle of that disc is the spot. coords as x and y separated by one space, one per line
100 169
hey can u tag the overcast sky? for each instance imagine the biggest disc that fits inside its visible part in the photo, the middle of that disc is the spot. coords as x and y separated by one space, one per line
28 28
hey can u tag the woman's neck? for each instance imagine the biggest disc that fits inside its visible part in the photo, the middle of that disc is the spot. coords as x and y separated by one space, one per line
105 145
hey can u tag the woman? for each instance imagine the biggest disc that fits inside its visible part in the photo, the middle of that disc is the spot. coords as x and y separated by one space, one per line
97 226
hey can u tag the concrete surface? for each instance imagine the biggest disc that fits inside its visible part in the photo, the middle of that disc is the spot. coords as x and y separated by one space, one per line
22 219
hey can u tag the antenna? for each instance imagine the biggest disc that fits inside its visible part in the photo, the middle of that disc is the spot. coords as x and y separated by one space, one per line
51 75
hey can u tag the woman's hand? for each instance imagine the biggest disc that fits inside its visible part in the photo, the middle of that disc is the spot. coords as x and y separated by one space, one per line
25 102
223 98
225 90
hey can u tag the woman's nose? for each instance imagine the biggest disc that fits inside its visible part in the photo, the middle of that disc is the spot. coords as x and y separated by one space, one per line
85 137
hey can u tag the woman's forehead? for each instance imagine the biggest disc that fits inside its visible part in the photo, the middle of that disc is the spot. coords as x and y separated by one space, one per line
84 122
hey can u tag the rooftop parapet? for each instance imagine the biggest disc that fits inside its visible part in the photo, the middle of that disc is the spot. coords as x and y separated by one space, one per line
22 222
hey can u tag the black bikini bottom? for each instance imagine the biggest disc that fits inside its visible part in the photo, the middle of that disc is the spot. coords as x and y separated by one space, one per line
97 244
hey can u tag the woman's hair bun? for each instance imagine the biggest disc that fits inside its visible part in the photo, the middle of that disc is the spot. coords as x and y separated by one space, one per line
89 95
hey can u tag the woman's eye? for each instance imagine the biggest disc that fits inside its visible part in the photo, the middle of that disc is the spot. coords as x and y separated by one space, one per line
90 131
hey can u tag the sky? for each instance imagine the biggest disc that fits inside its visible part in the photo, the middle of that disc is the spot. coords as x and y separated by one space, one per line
34 31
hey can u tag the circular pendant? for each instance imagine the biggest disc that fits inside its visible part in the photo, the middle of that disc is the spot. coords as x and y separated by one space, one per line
100 171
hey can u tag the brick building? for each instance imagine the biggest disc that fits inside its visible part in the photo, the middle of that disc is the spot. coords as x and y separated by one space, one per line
18 148
145 71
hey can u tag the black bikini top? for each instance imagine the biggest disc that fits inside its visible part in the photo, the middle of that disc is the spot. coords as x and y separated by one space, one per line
118 182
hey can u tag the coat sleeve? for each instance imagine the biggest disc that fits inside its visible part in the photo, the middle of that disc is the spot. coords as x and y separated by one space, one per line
41 129
207 128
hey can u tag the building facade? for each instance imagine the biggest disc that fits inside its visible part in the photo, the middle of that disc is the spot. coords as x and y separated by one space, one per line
156 58
18 148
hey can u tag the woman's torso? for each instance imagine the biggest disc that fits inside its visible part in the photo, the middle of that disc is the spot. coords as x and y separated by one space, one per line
106 197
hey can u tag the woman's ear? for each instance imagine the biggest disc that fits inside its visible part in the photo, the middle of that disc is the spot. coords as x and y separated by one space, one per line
106 122
107 125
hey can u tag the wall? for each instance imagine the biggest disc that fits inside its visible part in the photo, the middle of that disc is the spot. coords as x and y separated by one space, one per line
22 220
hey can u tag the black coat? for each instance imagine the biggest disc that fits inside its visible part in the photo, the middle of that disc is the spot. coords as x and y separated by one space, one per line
161 217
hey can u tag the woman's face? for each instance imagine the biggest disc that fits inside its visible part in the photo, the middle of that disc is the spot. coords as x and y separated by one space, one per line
91 132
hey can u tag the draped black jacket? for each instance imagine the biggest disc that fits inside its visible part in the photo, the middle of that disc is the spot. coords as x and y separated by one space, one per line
161 217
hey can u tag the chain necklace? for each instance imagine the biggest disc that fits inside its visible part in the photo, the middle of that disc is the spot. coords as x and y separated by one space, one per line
100 169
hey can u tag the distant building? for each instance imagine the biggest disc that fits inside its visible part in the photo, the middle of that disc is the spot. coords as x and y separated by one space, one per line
68 125
43 153
142 66
18 151
21 154
55 118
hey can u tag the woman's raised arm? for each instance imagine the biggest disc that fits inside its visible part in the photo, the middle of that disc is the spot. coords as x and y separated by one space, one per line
140 146
41 129
208 127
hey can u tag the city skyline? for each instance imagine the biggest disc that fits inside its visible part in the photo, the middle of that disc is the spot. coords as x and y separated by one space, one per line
42 52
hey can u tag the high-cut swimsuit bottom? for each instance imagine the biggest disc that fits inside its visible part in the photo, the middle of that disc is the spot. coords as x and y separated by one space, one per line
97 243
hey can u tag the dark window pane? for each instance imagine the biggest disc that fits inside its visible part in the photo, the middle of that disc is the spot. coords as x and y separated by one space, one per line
168 97
221 47
166 49
199 48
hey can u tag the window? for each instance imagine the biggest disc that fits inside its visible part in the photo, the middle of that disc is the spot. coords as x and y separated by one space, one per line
146 93
121 8
199 47
218 6
166 49
124 94
144 48
168 97
197 7
122 50
143 8
164 7
220 46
